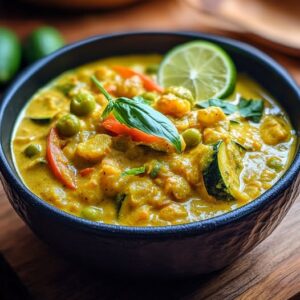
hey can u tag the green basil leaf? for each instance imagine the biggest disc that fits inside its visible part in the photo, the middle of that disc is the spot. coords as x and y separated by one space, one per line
140 99
108 109
251 109
242 102
110 105
101 88
134 171
227 107
203 104
145 118
135 113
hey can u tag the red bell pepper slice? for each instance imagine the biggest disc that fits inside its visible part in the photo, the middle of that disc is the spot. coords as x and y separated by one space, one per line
149 85
113 125
86 171
58 162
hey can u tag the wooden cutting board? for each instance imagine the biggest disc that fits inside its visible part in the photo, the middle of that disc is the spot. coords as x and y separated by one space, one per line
269 272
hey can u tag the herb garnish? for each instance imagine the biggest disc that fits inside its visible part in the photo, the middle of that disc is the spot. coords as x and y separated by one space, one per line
134 171
119 201
251 109
135 113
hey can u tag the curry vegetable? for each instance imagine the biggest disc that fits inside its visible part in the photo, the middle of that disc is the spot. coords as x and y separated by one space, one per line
109 154
136 114
251 109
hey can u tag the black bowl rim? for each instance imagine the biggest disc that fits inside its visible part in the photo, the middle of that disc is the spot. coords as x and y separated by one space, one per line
175 231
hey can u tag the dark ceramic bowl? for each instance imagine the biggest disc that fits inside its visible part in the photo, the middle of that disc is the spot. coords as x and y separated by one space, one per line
179 250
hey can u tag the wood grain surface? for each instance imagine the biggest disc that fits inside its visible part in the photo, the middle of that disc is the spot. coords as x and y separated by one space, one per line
271 271
284 34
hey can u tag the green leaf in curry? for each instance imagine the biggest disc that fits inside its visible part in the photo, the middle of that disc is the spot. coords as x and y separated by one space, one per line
134 171
119 201
234 122
140 99
135 113
251 109
110 106
145 118
227 107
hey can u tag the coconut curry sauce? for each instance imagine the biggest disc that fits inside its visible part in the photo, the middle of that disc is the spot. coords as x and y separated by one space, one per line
98 168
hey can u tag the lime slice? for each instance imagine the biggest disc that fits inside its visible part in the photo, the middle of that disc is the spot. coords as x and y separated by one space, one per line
202 67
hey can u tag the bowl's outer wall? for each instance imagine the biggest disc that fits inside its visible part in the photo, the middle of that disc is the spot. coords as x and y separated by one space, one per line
161 255
180 256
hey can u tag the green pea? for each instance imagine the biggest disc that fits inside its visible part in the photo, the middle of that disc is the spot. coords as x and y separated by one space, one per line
66 88
155 170
181 92
151 97
152 69
192 137
32 150
82 104
275 163
68 125
91 213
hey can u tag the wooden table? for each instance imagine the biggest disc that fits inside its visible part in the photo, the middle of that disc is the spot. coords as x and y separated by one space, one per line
271 271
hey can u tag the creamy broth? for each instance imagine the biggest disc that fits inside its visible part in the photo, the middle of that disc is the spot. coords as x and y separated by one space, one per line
173 187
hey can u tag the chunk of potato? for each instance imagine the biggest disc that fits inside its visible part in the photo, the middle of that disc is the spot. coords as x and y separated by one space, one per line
136 195
213 135
180 92
178 187
274 130
94 148
90 192
109 177
104 73
56 196
129 87
172 105
173 212
210 116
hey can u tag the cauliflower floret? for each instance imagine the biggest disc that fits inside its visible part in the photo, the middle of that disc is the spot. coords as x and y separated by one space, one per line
213 135
172 105
94 148
210 116
180 92
109 177
129 87
273 130
104 73
173 212
178 187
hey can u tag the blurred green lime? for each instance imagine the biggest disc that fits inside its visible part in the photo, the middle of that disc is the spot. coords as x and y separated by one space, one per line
42 42
10 55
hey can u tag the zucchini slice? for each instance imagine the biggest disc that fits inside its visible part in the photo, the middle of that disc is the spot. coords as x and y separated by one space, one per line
41 120
221 176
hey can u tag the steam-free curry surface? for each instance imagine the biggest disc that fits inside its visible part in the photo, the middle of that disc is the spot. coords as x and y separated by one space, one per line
171 189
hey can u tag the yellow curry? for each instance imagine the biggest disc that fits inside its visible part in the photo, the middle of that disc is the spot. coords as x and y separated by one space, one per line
218 156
